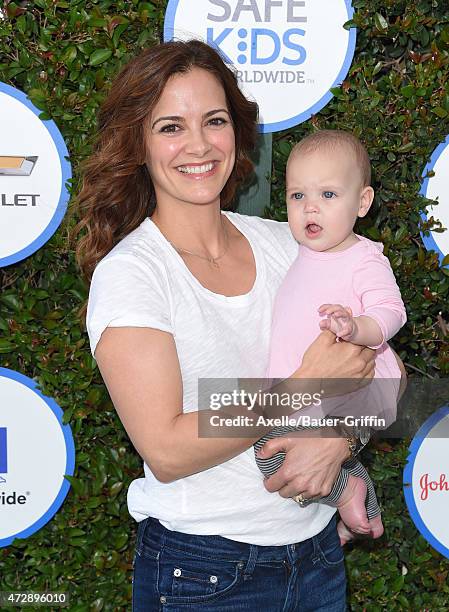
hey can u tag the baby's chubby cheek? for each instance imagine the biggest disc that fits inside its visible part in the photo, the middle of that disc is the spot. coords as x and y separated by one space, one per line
296 224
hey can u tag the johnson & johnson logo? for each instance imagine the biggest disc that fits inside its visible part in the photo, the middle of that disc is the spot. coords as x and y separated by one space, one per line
429 486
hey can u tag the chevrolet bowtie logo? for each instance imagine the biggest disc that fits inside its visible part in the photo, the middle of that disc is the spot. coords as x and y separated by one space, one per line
15 165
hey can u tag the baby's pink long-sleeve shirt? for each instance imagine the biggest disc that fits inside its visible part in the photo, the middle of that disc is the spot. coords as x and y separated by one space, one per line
359 277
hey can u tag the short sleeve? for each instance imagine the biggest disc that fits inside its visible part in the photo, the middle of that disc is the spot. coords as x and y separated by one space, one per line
126 292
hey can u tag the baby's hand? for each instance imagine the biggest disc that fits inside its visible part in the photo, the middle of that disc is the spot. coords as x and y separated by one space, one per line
339 320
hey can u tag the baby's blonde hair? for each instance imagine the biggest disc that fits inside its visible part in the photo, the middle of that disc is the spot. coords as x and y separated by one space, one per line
331 139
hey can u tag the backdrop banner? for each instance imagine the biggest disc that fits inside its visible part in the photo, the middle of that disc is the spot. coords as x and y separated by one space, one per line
36 452
299 48
426 480
34 170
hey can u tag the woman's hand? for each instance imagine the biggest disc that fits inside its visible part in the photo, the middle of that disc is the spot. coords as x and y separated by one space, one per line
310 467
326 358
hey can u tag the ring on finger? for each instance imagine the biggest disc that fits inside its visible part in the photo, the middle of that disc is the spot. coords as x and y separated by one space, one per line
301 500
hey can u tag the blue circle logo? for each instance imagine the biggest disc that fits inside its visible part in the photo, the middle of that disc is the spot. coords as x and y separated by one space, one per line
33 174
36 452
426 480
287 55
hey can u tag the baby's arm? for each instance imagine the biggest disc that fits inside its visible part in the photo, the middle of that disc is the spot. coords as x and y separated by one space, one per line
383 311
366 332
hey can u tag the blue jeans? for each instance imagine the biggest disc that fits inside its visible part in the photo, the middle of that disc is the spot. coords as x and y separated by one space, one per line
176 571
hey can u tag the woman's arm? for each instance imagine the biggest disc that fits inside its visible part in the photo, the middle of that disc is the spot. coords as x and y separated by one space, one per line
141 370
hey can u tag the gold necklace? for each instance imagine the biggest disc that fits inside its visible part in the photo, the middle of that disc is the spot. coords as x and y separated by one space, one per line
211 260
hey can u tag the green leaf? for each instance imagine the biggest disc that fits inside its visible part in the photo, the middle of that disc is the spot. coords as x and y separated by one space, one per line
349 24
115 489
117 33
10 300
380 22
421 256
98 559
408 91
97 22
406 148
401 233
75 532
398 583
285 148
94 502
377 68
143 37
439 111
121 540
37 94
378 586
69 55
99 56
146 6
373 233
6 346
337 92
41 294
77 485
21 23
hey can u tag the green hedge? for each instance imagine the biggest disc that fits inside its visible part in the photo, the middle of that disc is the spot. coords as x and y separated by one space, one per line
396 97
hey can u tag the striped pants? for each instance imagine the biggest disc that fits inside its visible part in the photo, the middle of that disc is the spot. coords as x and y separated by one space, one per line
351 467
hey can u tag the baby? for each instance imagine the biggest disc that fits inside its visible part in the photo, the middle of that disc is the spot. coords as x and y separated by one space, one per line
342 282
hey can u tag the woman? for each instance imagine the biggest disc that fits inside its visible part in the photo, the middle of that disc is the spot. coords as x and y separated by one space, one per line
182 291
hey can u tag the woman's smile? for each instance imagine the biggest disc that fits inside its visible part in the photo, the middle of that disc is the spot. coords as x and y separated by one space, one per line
198 171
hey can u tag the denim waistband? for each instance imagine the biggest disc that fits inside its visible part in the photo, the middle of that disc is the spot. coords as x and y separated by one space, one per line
217 547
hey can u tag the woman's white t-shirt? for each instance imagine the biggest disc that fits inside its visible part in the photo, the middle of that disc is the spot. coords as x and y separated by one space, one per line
143 282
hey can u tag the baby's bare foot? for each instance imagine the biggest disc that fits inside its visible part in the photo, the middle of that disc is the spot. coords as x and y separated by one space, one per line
351 506
375 526
346 535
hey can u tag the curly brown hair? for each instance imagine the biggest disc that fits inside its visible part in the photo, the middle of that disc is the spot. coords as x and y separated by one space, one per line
117 192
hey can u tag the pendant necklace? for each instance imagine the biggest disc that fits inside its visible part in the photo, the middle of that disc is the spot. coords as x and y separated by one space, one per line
212 260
